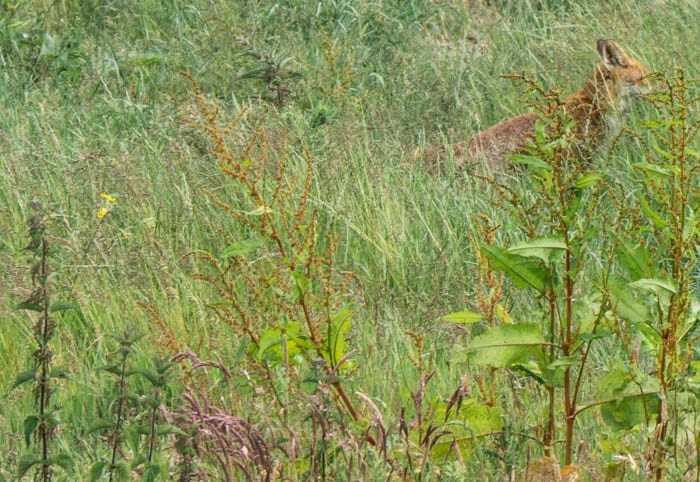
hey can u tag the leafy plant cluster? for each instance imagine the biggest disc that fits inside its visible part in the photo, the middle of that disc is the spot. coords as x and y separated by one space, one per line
638 304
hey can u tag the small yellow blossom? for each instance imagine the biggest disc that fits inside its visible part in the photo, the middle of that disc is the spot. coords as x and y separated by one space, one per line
108 198
102 213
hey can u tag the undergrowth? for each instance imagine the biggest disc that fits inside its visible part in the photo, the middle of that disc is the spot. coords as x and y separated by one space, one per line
289 271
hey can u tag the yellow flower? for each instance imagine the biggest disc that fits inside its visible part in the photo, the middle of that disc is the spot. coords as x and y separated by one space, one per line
108 198
102 213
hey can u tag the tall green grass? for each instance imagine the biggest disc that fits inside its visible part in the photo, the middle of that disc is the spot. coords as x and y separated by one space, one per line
91 102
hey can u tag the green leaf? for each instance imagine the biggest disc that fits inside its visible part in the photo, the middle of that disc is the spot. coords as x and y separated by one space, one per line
97 470
635 260
30 424
625 303
151 473
505 346
148 374
563 362
525 272
691 320
63 460
99 426
23 377
545 248
531 161
169 429
28 305
341 323
664 153
658 221
62 306
462 317
625 402
242 247
301 285
26 462
483 419
272 339
122 470
588 180
464 426
60 373
652 170
660 287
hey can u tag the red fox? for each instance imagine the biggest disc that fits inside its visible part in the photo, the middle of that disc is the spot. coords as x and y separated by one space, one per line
592 108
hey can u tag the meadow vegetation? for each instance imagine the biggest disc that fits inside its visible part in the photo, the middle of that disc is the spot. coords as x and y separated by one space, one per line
218 260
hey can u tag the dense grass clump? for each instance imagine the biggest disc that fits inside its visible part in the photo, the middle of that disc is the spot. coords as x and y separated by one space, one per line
241 272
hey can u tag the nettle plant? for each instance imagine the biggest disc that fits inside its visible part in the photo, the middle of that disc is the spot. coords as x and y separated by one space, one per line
44 375
603 275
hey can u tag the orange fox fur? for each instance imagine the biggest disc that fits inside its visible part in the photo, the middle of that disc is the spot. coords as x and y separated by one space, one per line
592 108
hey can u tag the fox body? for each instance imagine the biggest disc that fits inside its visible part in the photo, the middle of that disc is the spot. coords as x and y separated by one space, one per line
592 108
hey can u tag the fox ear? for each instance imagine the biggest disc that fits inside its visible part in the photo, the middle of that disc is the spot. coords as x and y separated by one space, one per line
611 54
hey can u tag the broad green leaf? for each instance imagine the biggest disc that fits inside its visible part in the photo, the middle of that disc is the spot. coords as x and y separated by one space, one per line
28 305
625 304
97 470
504 346
23 377
531 369
99 426
30 424
271 337
462 317
62 306
563 362
122 470
525 272
531 161
301 285
588 180
272 340
463 427
636 260
660 287
691 319
63 460
625 402
483 419
545 248
341 323
242 247
26 462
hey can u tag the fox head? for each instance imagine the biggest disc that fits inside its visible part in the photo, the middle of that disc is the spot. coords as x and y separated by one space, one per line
623 74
